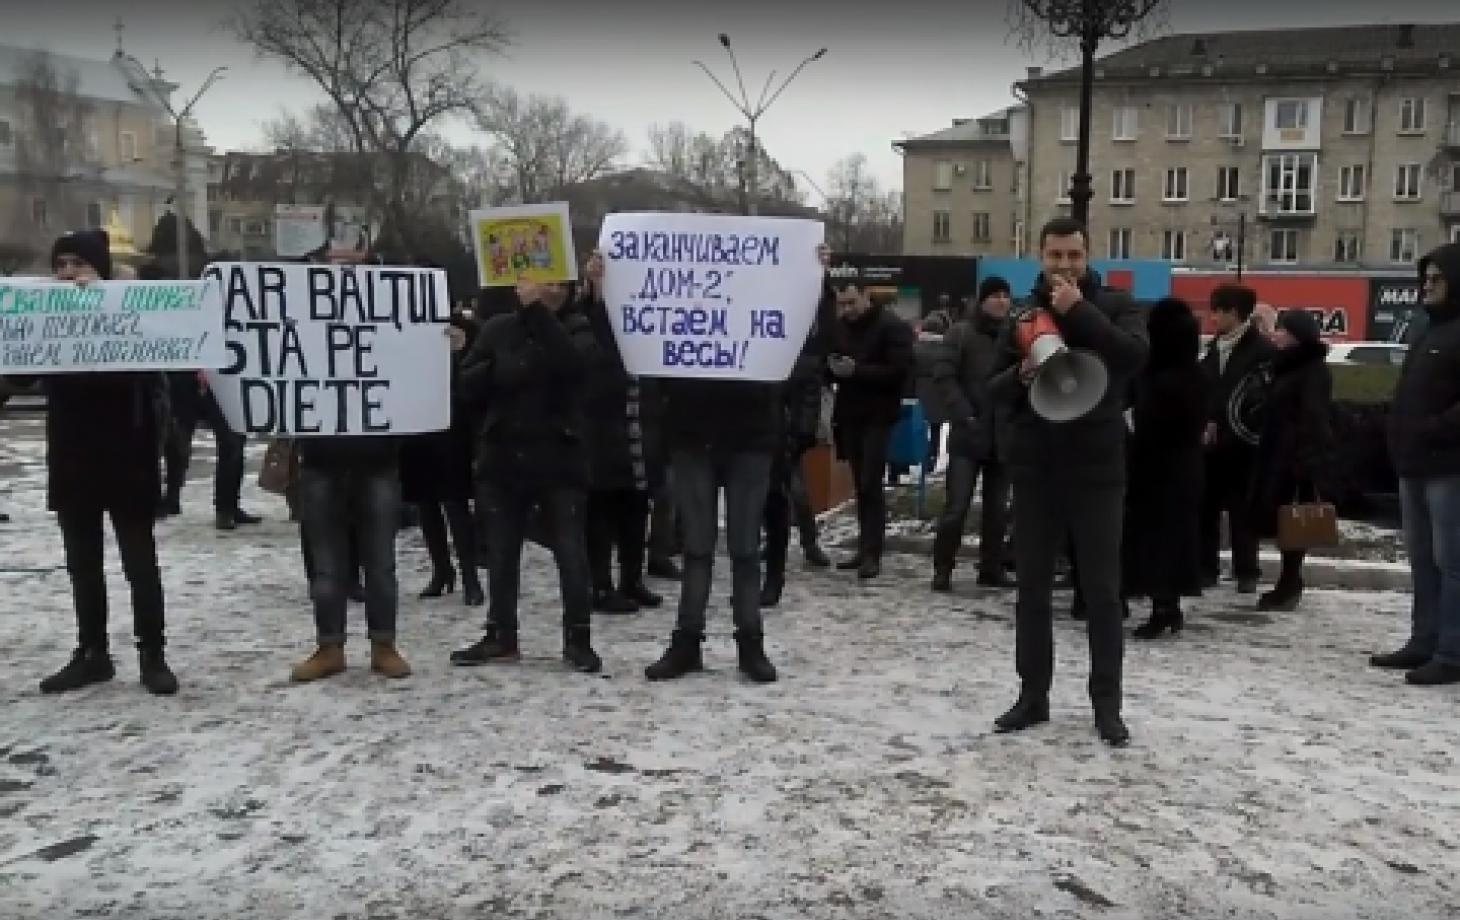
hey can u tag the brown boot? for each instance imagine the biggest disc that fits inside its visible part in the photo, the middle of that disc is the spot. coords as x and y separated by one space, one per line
327 661
387 662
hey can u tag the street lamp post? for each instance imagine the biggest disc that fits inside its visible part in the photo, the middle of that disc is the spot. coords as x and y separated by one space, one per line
180 192
1091 22
753 113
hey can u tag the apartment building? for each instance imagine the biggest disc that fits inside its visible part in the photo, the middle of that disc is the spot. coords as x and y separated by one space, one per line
963 187
81 140
1322 147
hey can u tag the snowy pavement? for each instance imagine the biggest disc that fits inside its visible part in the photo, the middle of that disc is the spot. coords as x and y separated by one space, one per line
1272 774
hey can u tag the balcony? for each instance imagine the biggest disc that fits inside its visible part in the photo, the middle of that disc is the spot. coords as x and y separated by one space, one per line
1450 205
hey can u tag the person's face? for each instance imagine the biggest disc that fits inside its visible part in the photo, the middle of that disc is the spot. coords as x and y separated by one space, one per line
1265 319
997 304
1436 288
852 302
554 296
1064 256
1225 321
1283 339
72 268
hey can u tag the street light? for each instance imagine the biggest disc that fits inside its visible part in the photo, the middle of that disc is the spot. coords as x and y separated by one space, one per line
180 195
1090 21
753 113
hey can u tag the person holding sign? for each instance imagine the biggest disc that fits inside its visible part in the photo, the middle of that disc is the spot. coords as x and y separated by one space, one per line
526 376
103 447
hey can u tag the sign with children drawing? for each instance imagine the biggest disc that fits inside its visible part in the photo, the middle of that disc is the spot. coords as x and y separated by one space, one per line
532 242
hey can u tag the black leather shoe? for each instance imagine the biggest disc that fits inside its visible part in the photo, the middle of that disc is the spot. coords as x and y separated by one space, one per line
849 565
1405 659
1434 674
816 557
1111 727
1027 712
942 581
869 569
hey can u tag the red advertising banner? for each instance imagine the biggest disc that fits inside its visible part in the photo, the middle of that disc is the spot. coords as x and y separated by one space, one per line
1340 303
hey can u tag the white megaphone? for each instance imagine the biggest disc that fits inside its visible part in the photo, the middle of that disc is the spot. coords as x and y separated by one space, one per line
1067 383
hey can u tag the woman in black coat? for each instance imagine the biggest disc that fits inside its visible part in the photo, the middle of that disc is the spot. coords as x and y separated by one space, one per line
1161 548
1296 437
436 476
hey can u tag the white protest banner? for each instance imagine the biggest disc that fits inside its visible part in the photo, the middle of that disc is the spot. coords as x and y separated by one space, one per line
61 327
321 350
700 295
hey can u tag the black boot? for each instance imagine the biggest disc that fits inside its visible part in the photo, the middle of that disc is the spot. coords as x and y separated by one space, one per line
664 568
942 580
86 667
471 588
850 565
997 578
578 650
494 646
681 658
751 657
771 591
1110 725
640 594
815 556
157 677
223 520
1434 674
1284 597
869 569
1028 711
607 600
1403 660
1162 619
169 506
244 519
442 582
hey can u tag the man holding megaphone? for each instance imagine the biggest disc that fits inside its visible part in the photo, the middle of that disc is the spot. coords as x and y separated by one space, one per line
1066 358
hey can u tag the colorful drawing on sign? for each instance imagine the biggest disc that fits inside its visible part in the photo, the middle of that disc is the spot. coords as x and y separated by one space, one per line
531 242
53 327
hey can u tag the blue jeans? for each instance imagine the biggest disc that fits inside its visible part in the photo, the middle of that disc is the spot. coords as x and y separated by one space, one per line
330 501
1432 538
697 477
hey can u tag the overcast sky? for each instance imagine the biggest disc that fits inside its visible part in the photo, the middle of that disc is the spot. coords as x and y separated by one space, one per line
894 67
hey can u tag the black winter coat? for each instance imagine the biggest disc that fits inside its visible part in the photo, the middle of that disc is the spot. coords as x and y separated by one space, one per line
961 377
1424 418
1251 352
616 442
437 466
881 344
1089 450
526 376
104 442
1296 434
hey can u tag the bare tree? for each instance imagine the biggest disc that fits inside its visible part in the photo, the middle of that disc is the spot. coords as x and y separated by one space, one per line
861 217
545 146
390 69
716 167
320 129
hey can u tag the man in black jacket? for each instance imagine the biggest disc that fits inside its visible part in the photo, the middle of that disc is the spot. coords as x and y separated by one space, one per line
961 377
526 373
1424 442
1069 479
872 359
1238 351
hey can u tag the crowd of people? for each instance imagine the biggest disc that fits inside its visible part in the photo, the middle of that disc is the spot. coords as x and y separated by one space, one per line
553 440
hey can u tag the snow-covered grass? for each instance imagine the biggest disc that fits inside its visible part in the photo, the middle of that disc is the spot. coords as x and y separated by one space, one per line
1272 774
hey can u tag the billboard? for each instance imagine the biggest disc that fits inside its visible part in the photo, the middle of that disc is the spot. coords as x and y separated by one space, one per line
1394 305
1340 303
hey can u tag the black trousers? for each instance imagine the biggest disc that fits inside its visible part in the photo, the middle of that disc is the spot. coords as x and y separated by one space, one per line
785 500
664 537
436 518
178 451
617 519
963 476
865 449
1227 483
84 540
508 509
1092 518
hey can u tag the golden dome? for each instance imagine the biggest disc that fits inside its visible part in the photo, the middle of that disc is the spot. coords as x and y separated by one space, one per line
122 248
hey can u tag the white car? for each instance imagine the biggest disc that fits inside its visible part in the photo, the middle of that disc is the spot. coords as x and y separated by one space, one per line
1367 354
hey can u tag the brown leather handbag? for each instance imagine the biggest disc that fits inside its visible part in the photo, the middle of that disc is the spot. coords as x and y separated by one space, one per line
1303 526
277 471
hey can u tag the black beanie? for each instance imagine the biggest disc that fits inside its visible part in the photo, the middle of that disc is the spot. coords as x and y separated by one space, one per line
1301 325
992 285
90 246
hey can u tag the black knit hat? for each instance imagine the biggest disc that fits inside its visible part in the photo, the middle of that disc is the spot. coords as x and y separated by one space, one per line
1301 325
90 246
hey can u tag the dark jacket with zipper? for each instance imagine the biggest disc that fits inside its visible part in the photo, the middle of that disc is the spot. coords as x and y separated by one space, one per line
526 375
1089 450
1251 352
961 377
881 344
1424 418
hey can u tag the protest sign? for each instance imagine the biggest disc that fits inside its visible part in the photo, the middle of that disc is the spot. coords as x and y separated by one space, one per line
54 326
532 242
317 350
697 295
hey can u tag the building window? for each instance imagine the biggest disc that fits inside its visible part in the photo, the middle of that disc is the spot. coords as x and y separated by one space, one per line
39 215
1178 122
235 226
1229 186
215 223
1282 246
983 174
254 228
1173 245
7 135
942 176
127 147
93 214
1412 116
1069 124
1119 244
1287 183
1231 120
1291 115
1123 186
1126 123
1348 247
1404 246
1352 182
941 232
982 229
1407 182
1356 116
1455 234
1176 185
1062 191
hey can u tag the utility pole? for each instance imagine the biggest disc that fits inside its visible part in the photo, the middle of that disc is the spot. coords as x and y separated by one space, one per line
750 174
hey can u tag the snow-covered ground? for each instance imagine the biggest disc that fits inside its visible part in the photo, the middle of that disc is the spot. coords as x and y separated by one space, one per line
1272 775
